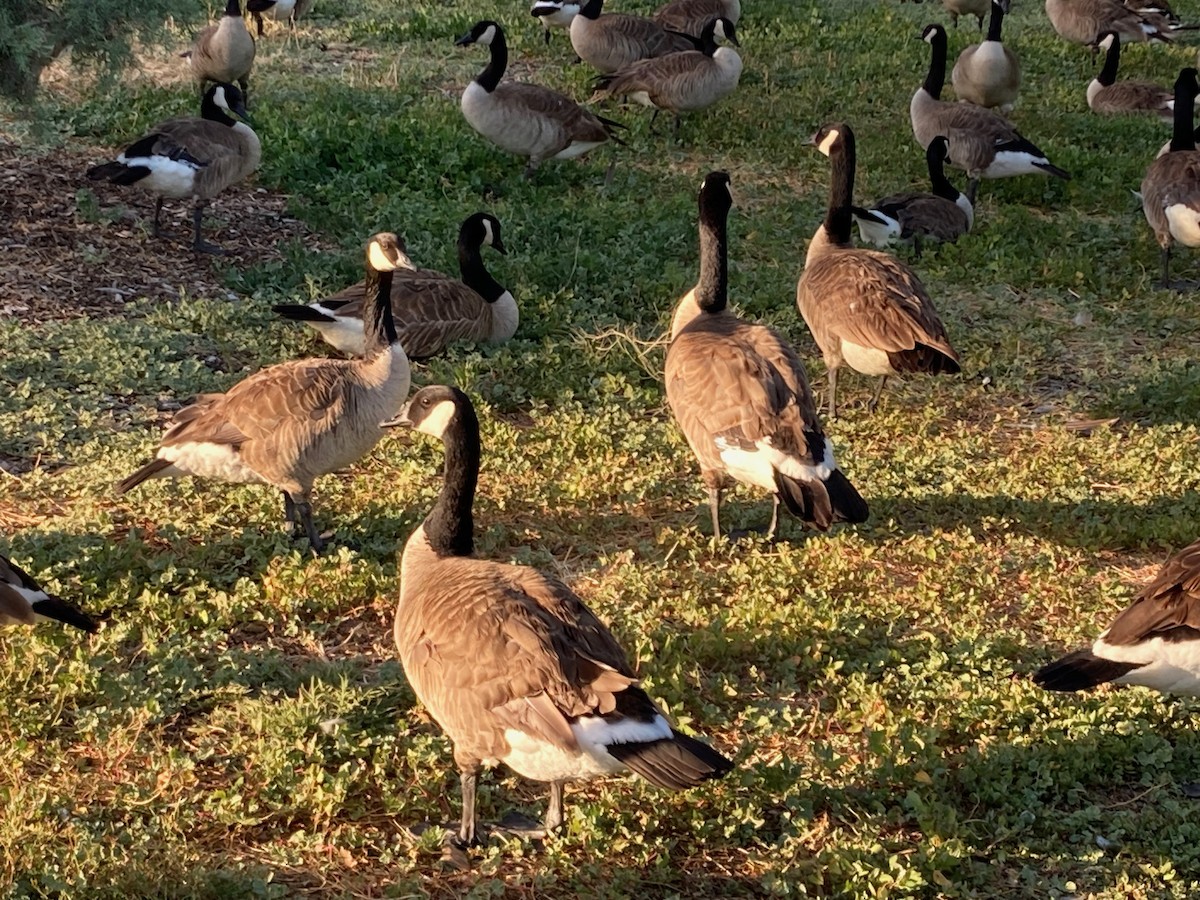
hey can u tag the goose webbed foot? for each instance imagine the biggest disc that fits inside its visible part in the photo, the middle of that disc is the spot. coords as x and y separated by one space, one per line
304 516
199 244
874 404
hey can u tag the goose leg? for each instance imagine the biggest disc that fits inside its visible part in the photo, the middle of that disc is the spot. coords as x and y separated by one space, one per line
531 167
774 517
878 393
714 506
258 22
833 393
1166 266
244 84
546 36
676 132
199 245
289 513
554 812
972 189
158 205
304 511
653 118
466 829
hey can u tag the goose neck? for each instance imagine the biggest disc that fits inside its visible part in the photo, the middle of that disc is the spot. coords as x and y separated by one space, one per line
1112 59
1182 136
450 526
474 273
838 218
994 22
494 71
379 327
213 113
937 176
935 78
712 290
592 9
233 8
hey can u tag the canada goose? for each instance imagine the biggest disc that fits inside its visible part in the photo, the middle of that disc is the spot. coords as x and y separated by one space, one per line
944 215
224 52
976 8
554 14
1107 95
612 41
1154 643
740 395
509 661
190 156
865 308
277 10
982 142
1171 188
1084 21
988 74
430 313
691 16
682 82
527 119
23 602
290 423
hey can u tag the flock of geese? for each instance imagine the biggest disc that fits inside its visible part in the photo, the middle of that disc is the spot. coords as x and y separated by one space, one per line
510 662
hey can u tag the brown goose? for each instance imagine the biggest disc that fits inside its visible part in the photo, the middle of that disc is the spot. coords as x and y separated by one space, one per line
431 310
527 119
988 74
23 602
224 52
976 8
277 10
865 309
1154 643
740 395
690 16
1084 21
1107 95
1171 188
612 41
290 423
509 661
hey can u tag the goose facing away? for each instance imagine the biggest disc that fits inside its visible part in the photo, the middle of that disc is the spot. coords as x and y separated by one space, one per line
1154 643
190 156
224 52
741 397
1171 187
509 661
691 16
23 602
554 14
982 142
290 423
988 74
527 119
431 310
1107 95
611 41
865 309
944 215
1085 21
682 82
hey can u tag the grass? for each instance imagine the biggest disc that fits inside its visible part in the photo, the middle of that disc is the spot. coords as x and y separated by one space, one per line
242 729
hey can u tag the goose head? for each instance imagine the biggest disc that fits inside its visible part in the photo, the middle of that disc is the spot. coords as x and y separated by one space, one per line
431 410
483 33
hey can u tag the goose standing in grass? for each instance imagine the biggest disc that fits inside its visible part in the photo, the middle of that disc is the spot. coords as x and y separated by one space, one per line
430 312
190 156
865 309
988 74
23 602
1154 643
612 41
691 16
276 10
1085 21
976 8
527 119
1107 95
944 215
224 52
509 661
982 142
682 82
290 423
554 14
1171 188
741 397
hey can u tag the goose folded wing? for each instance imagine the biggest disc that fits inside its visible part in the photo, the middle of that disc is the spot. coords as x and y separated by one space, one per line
1169 607
889 309
430 314
541 101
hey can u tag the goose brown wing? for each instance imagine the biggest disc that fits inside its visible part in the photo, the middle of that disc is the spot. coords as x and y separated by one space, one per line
1125 96
430 314
661 74
688 16
934 216
1169 607
222 150
578 124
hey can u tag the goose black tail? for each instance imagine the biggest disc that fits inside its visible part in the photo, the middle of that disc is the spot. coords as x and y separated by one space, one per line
848 504
299 313
149 470
117 173
61 611
821 503
1079 671
677 763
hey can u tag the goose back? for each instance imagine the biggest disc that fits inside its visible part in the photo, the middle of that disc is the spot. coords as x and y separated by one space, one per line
612 41
1084 21
690 16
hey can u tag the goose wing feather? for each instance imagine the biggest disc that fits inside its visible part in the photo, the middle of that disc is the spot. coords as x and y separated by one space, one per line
575 122
1171 602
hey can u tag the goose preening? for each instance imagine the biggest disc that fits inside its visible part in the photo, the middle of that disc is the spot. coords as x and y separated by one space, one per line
866 309
976 8
1107 95
1171 188
190 156
982 142
682 82
611 41
691 16
431 311
944 215
527 119
740 395
554 14
224 52
23 602
1154 643
1085 21
988 74
290 423
509 661
276 10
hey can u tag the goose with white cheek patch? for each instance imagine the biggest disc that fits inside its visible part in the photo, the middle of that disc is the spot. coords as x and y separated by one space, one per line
509 661
982 142
190 156
23 602
527 119
741 397
1085 21
866 309
611 41
431 310
1154 643
290 423
988 74
1107 95
224 52
1171 188
692 16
